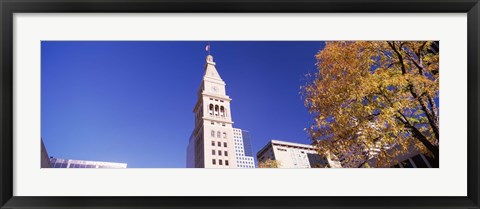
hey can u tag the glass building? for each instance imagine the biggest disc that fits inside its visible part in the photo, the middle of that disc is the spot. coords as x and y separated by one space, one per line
247 144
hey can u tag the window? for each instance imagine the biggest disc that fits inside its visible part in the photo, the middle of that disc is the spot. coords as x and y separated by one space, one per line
220 152
212 123
212 133
224 135
213 143
218 134
226 162
220 162
213 152
222 111
213 162
226 153
224 144
210 109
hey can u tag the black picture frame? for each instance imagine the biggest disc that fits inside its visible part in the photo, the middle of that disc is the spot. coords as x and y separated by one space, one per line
9 7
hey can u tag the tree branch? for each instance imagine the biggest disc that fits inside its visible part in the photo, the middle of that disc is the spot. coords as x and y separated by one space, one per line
400 57
427 111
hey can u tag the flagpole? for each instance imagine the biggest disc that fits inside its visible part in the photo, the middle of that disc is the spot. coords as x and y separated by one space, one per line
209 48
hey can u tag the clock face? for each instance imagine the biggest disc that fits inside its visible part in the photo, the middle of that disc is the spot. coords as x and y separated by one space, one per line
214 88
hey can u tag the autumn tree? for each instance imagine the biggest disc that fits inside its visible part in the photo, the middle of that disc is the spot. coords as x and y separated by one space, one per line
375 97
269 164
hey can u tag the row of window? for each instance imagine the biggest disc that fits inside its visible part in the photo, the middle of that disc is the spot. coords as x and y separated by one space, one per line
217 110
219 134
213 123
219 144
220 162
219 152
244 162
216 100
246 166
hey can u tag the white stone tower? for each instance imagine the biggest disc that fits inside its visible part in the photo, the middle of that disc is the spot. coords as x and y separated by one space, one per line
211 144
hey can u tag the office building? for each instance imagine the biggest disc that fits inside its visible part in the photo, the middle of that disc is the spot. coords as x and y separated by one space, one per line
291 155
413 158
243 149
64 163
44 159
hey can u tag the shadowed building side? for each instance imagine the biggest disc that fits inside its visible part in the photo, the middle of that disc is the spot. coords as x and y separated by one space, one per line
44 159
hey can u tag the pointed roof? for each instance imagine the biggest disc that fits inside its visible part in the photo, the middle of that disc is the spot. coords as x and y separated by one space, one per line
210 70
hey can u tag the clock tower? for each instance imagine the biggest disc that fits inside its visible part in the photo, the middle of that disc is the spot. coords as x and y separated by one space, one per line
211 143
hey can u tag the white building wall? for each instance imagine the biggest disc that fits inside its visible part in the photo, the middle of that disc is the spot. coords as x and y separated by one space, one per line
290 155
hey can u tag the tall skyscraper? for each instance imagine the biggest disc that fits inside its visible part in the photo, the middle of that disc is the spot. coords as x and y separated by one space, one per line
211 144
243 149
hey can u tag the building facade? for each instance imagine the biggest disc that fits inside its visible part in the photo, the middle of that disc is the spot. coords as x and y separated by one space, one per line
291 155
68 163
44 160
413 158
243 148
416 161
211 144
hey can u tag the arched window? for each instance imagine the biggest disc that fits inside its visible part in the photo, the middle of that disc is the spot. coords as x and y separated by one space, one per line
210 109
222 111
216 110
218 134
224 135
213 133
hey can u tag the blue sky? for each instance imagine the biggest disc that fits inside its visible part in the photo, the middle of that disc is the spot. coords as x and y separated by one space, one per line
132 101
